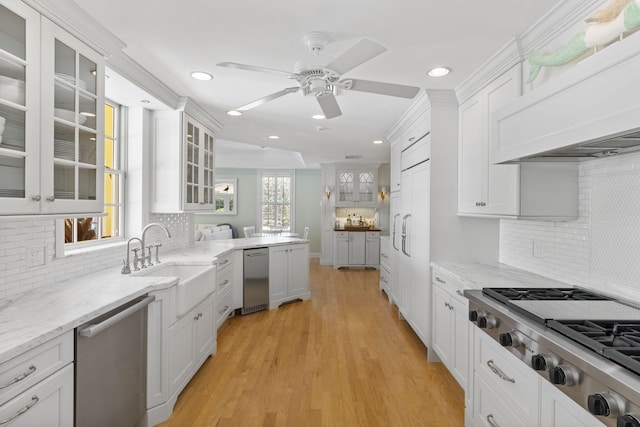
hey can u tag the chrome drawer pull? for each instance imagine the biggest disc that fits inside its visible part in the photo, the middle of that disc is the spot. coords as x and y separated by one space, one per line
498 372
226 307
224 283
20 377
224 262
492 422
459 292
440 280
35 399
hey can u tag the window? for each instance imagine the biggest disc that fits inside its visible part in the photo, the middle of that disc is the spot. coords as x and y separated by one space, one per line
109 226
276 201
226 196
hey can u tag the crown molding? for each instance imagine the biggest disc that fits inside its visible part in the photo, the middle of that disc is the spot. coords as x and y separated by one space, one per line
190 107
67 15
419 106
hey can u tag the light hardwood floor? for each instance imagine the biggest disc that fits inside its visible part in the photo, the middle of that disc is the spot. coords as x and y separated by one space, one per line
342 358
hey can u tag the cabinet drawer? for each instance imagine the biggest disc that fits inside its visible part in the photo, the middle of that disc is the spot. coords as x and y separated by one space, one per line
373 234
48 403
385 279
224 306
489 410
417 153
224 279
224 262
447 281
341 234
518 389
21 372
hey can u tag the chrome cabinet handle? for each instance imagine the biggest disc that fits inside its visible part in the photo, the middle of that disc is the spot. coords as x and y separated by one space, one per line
224 262
459 292
404 235
198 316
51 199
35 399
498 372
394 231
20 377
36 198
440 280
492 422
224 283
226 307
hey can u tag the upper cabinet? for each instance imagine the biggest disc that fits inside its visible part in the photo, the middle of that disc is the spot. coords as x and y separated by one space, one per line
51 117
531 191
183 163
357 187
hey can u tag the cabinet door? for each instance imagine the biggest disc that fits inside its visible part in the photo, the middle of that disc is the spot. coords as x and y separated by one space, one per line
72 145
48 403
278 272
442 326
298 270
396 156
181 357
199 166
472 154
346 187
341 251
459 361
372 250
205 329
367 188
19 108
356 248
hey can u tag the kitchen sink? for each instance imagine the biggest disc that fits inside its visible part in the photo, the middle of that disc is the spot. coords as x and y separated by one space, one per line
195 282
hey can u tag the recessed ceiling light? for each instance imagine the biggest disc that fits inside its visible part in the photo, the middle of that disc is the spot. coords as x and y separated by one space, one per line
377 141
273 137
201 75
234 113
439 71
318 116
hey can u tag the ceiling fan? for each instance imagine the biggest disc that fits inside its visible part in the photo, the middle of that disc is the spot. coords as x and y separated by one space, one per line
321 75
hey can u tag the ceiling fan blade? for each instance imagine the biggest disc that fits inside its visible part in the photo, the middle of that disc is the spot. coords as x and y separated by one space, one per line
329 106
390 89
358 54
254 68
264 100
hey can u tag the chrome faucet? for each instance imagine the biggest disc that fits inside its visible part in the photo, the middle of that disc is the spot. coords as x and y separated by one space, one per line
147 257
126 268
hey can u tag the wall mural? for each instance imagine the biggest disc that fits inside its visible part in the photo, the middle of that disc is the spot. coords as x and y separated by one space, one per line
603 26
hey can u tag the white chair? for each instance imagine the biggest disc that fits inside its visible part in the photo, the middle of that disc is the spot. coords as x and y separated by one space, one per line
305 235
249 231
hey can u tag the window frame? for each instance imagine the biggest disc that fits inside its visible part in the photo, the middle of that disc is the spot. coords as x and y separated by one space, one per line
285 173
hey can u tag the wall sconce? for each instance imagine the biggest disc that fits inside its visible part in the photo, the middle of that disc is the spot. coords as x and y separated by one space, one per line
327 191
383 192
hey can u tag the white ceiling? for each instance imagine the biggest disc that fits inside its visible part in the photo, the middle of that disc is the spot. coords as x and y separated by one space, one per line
172 38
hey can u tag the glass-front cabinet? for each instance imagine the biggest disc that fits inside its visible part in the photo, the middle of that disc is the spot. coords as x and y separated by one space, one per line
200 166
356 187
51 126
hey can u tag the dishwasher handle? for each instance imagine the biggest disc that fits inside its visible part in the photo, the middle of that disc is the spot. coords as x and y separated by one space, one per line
93 330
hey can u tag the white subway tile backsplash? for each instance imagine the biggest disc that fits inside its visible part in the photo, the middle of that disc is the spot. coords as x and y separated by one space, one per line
17 235
601 248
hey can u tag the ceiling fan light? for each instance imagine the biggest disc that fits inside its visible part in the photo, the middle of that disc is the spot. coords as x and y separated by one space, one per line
201 75
439 71
318 117
234 113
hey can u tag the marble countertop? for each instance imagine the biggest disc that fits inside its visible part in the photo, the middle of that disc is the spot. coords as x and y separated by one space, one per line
356 229
32 318
478 276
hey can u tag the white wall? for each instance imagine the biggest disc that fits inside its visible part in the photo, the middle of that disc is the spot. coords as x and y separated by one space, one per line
601 249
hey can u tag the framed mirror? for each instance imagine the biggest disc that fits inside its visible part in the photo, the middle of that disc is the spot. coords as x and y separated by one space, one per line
226 196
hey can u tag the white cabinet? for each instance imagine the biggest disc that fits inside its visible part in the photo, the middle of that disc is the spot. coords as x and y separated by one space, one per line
533 190
395 240
36 388
183 163
357 255
357 187
52 103
386 266
340 249
415 288
394 166
226 283
450 326
288 273
356 249
191 340
372 248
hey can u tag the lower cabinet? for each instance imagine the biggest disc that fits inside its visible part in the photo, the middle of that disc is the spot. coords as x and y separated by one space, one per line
558 410
37 387
288 273
356 249
450 335
191 340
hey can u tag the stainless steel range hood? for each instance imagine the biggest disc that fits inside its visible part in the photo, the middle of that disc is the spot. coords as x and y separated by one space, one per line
602 147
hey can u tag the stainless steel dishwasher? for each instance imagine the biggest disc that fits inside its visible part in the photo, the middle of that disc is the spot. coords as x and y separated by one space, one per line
256 280
111 367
